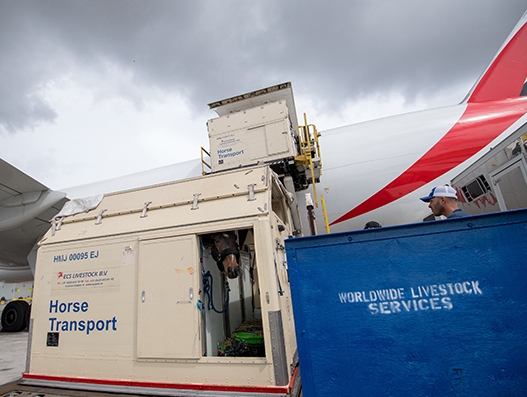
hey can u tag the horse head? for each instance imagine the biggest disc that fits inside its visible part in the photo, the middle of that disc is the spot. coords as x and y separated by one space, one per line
226 254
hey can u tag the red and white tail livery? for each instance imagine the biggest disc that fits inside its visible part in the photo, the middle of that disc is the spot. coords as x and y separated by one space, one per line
377 170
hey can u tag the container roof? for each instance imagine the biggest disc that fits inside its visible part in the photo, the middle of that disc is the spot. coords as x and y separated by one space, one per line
256 98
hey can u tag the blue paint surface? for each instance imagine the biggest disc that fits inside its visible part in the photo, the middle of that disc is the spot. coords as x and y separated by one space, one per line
431 309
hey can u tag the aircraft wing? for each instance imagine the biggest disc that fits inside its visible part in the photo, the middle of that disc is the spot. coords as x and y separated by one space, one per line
26 206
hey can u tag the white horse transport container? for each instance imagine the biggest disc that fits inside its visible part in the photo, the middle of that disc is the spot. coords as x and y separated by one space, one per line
120 302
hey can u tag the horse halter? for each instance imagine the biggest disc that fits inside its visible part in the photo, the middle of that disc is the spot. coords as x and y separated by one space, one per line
220 256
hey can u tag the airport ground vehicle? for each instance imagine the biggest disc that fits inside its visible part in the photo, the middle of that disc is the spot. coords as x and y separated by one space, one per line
498 180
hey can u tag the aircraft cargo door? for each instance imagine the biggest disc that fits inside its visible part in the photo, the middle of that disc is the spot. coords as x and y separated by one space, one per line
167 318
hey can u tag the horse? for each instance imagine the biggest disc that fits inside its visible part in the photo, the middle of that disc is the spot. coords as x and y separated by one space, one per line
226 254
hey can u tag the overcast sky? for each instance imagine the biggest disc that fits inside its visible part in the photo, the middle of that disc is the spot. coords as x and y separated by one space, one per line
91 90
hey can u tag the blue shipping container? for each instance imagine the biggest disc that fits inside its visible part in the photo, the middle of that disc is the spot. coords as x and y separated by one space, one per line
430 309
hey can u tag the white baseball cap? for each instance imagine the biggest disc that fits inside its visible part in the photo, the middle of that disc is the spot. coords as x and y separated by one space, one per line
440 191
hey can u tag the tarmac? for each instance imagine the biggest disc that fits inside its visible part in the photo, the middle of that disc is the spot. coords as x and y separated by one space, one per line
13 350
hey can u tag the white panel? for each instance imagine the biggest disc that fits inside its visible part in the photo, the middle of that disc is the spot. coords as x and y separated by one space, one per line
277 135
512 187
167 325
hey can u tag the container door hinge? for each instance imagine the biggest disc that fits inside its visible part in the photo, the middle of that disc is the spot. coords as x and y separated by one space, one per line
145 208
99 217
251 192
195 202
56 224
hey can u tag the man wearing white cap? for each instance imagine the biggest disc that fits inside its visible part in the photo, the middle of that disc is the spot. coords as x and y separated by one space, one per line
442 200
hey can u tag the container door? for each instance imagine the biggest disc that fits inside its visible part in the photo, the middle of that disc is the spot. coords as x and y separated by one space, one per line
167 321
511 186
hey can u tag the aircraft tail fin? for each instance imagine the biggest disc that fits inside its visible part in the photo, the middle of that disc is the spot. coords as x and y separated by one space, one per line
506 75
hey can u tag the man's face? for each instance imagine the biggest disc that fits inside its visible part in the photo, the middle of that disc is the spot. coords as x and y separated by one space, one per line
436 205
